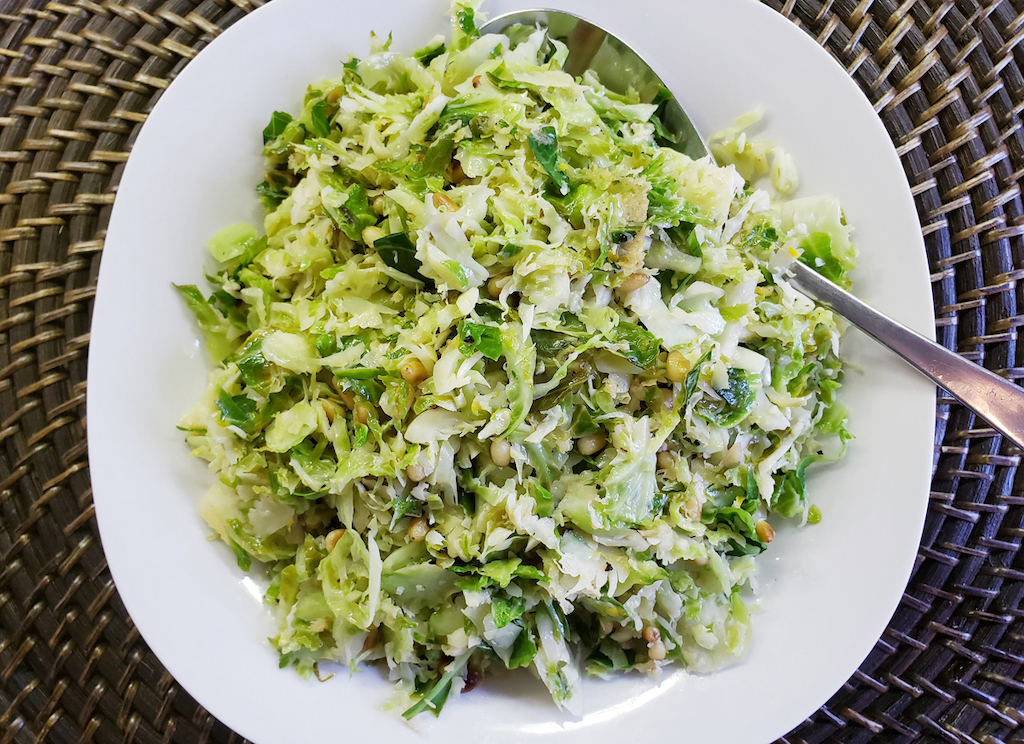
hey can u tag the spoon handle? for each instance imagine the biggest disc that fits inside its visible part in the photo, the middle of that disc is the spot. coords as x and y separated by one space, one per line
994 398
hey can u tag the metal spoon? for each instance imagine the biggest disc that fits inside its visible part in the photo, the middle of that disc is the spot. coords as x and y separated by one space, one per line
994 398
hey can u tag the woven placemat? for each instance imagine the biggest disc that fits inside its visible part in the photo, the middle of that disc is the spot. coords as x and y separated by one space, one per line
76 83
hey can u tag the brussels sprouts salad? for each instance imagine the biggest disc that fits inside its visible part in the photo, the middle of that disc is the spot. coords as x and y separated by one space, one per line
505 381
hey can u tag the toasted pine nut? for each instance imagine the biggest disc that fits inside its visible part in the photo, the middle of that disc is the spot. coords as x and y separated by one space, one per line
665 460
414 372
332 539
677 367
592 444
651 634
415 472
443 201
331 409
418 529
764 531
363 413
657 651
497 283
501 453
372 234
477 80
634 282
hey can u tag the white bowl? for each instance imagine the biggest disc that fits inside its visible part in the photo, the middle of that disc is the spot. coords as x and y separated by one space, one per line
827 591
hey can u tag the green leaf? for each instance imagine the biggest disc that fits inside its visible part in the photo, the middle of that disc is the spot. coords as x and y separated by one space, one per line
270 195
737 399
544 143
213 326
753 492
505 609
495 573
571 384
692 377
403 506
790 496
243 559
762 236
661 132
254 367
228 306
583 423
466 18
354 214
245 260
278 121
551 343
438 156
483 338
496 77
643 345
427 54
523 650
436 695
399 252
369 388
238 410
318 119
326 345
231 241
545 500
459 271
817 253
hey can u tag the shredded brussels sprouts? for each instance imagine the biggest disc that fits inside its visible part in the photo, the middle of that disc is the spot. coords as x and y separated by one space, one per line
504 381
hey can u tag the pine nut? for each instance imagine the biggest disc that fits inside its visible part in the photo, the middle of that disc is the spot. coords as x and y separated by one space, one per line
634 282
414 372
591 444
501 453
442 200
418 529
665 460
497 283
764 531
415 472
651 634
657 651
363 413
372 234
332 539
677 367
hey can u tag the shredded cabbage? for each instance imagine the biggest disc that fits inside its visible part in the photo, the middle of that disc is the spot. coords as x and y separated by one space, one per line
502 380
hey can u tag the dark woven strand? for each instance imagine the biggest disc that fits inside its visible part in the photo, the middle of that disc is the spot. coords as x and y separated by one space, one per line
76 82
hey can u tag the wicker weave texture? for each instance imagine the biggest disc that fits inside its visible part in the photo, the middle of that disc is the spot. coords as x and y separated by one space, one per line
76 83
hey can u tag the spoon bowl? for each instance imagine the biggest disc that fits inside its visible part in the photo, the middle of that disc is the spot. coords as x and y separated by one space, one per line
617 66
